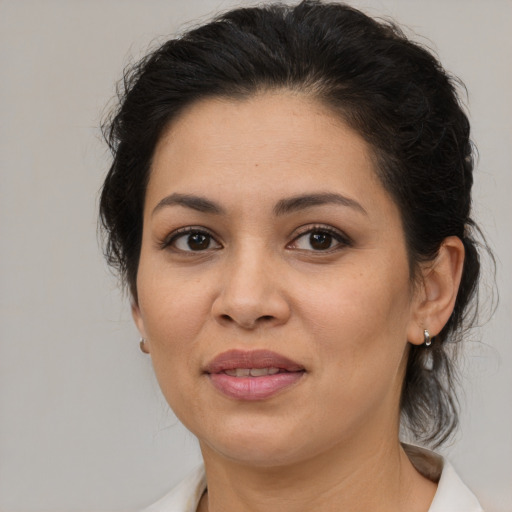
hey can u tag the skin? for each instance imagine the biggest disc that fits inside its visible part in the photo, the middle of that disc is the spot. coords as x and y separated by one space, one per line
346 311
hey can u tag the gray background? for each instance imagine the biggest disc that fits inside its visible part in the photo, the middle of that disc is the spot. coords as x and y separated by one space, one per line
82 423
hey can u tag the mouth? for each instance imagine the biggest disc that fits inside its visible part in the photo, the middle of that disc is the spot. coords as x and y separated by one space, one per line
252 372
253 375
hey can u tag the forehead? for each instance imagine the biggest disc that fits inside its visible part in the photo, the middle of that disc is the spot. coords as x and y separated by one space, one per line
276 143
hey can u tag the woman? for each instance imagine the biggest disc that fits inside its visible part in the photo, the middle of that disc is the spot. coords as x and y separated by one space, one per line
289 205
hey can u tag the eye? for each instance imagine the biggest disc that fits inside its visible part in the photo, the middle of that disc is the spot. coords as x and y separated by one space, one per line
319 239
191 240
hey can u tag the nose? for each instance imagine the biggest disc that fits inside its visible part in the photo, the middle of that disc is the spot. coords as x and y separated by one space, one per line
250 294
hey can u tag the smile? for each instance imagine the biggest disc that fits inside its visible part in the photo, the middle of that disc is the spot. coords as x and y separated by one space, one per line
252 372
253 375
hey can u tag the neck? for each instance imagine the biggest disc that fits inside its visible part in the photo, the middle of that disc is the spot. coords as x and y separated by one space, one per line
350 477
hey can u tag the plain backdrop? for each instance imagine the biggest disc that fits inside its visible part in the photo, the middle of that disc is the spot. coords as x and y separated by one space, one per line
82 424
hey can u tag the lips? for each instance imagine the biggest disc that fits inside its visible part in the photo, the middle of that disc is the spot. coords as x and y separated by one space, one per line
252 375
251 359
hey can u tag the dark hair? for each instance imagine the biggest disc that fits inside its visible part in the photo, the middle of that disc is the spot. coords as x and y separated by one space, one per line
390 90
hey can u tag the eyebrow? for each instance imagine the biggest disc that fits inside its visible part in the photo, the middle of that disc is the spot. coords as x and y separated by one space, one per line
302 202
282 207
200 204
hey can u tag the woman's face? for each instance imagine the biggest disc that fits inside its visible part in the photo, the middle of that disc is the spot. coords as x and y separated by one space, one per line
273 285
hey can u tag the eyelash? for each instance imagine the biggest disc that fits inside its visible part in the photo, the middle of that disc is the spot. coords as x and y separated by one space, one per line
183 232
339 237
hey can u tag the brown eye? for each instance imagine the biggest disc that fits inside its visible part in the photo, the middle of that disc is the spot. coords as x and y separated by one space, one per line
198 241
320 240
193 241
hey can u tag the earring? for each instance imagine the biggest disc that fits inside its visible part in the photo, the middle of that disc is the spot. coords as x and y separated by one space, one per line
426 337
143 346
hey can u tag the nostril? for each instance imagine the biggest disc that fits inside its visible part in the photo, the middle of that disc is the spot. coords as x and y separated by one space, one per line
247 322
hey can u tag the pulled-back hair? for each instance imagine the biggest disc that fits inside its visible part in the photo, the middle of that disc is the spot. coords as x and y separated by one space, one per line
392 91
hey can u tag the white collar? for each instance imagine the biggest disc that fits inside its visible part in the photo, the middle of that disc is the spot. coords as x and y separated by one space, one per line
452 495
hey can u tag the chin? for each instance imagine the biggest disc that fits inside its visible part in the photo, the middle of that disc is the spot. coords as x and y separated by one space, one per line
266 446
259 455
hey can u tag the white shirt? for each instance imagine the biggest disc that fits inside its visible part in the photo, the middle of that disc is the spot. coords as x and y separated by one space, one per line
451 495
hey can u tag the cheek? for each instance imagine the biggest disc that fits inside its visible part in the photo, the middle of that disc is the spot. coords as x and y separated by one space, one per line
363 300
173 305
174 311
359 330
173 322
360 321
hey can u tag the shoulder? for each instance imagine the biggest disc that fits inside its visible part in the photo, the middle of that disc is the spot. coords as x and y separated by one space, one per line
185 496
452 494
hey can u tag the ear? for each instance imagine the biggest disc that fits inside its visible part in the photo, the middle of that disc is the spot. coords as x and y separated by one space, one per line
139 322
437 292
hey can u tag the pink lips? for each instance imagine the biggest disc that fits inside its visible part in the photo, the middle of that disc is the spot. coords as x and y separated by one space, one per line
223 369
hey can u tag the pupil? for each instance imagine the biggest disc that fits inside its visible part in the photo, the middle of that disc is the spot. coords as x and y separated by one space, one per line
320 240
198 241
